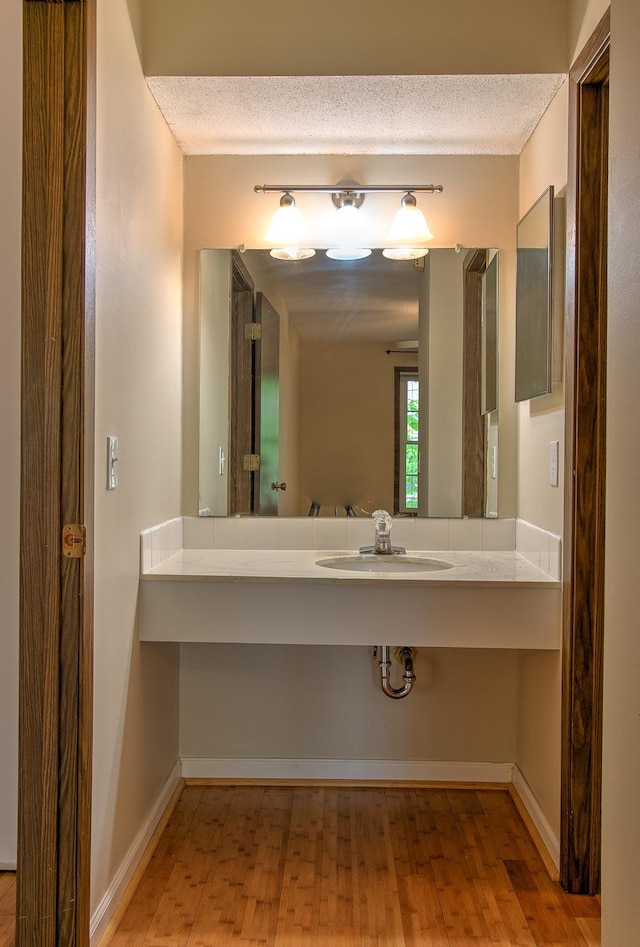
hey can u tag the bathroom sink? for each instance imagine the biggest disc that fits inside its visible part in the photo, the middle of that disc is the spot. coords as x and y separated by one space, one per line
392 564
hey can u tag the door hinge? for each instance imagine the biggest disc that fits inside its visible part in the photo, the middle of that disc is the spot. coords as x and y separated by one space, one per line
251 461
74 540
253 331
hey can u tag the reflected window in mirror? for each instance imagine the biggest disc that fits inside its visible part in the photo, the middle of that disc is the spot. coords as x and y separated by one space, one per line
407 453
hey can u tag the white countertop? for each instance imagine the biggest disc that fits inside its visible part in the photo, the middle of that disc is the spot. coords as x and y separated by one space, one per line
469 569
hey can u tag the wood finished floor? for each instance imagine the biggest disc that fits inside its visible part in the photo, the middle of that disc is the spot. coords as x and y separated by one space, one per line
7 908
340 867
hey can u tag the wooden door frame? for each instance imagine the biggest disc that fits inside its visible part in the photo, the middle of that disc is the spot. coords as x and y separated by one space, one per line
57 417
585 407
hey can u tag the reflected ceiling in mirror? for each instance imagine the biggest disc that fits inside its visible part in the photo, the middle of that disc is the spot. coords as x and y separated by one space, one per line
366 362
373 299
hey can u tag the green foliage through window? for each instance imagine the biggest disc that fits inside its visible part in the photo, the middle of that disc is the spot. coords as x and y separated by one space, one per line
409 403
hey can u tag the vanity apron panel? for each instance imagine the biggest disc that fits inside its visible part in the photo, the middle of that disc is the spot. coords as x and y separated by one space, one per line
307 612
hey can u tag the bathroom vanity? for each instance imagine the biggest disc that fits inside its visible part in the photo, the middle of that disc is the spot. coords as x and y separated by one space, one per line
476 599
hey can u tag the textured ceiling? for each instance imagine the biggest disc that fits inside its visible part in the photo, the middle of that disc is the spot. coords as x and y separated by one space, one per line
480 114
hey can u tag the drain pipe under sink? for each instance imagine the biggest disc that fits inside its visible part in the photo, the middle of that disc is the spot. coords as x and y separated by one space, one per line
405 656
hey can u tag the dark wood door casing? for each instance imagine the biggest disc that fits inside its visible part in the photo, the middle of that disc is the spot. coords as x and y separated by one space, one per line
54 806
584 515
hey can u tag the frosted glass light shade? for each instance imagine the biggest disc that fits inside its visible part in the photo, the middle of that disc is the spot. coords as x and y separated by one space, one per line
348 253
409 226
288 227
404 253
347 227
292 253
348 235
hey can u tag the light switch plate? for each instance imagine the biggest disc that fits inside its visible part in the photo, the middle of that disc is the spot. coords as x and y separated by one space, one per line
554 451
112 462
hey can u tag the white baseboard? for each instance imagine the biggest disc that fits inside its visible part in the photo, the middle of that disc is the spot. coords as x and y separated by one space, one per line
105 910
549 838
7 866
401 770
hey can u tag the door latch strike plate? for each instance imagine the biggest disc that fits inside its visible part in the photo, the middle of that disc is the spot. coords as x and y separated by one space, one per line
74 540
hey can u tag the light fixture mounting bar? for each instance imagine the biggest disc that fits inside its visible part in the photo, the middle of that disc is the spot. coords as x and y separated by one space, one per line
350 188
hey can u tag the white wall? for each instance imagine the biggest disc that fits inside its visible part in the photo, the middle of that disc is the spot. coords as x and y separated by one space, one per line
138 397
10 224
621 762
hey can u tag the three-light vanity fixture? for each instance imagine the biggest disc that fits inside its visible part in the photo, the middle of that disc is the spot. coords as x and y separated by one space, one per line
289 234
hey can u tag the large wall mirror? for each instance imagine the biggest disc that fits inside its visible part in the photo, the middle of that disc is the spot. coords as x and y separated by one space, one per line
337 387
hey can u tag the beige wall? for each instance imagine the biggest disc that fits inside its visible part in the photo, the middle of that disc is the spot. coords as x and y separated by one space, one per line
314 702
424 306
346 392
441 379
215 302
584 17
538 726
10 223
541 420
479 207
621 763
543 162
138 396
289 435
197 37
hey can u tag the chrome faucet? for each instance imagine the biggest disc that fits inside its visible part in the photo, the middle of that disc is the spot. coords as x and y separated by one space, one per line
382 541
382 522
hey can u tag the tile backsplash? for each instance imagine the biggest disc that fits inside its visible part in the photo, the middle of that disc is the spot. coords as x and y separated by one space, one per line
161 541
244 532
540 547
